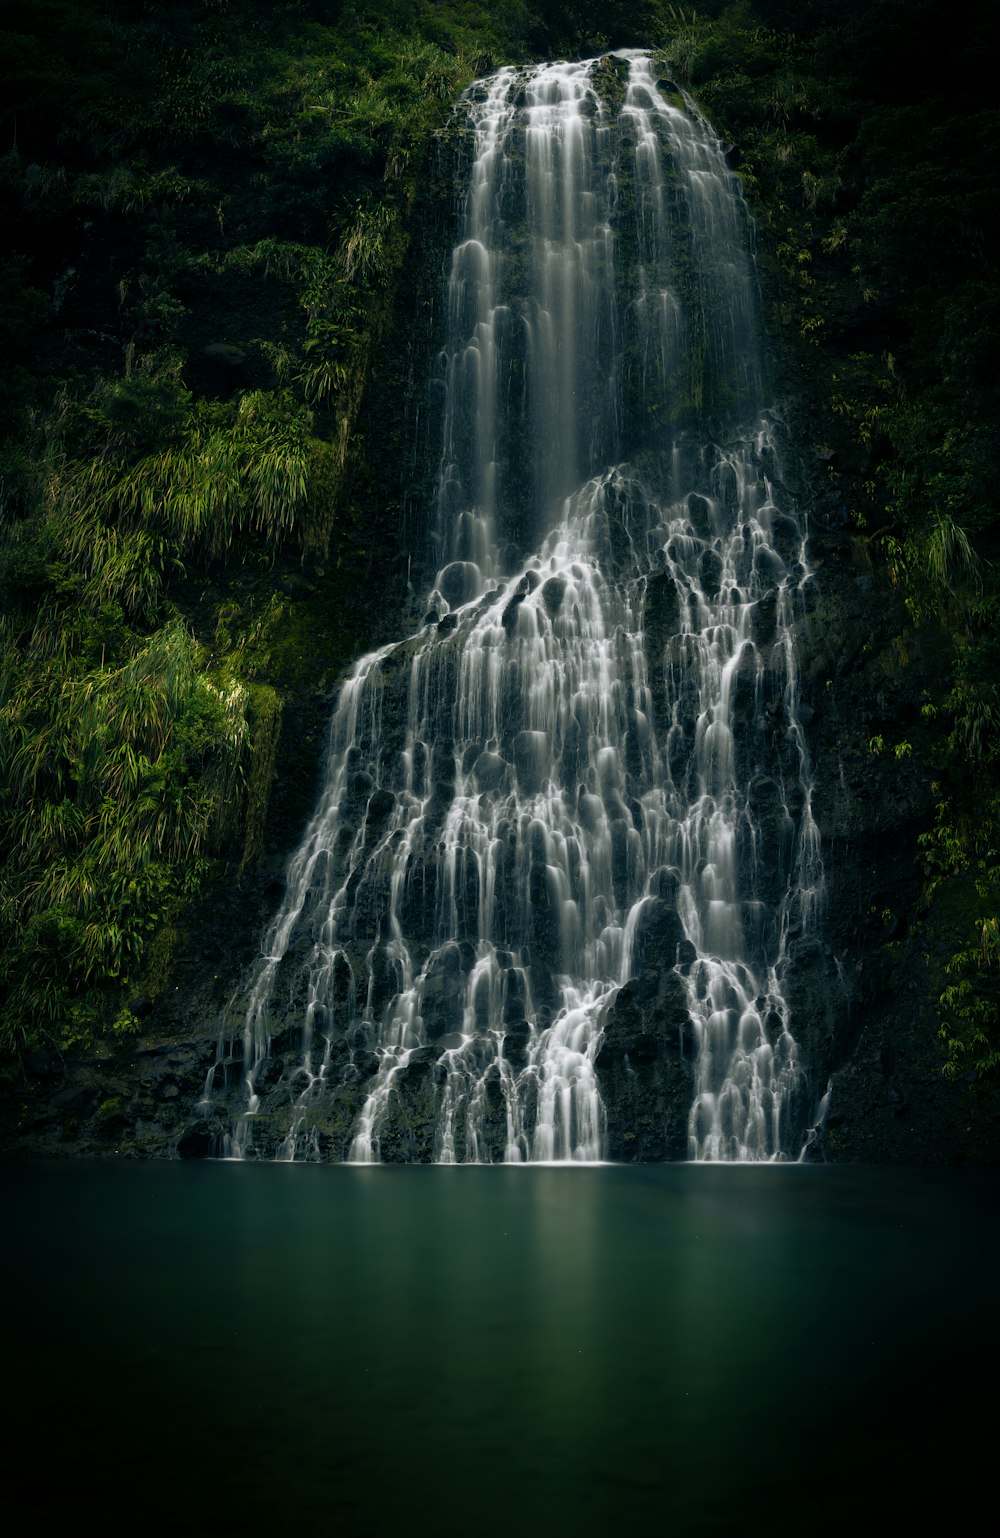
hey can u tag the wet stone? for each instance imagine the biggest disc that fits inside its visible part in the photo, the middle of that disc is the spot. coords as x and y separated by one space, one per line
686 955
441 996
508 618
490 772
459 582
767 564
530 752
380 809
699 510
785 537
710 572
516 1037
553 592
658 934
764 619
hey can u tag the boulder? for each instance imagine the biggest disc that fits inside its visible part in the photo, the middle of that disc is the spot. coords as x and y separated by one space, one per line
645 1069
442 993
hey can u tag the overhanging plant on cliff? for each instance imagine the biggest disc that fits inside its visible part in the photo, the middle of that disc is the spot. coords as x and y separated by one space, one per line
164 173
122 780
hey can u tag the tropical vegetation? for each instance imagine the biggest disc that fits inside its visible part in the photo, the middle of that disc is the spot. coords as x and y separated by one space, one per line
208 209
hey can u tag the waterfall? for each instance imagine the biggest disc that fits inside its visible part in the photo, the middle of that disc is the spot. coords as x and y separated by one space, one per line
579 793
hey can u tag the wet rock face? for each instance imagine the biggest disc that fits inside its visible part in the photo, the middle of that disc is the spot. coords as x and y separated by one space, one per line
200 1138
442 1001
407 1135
132 1101
646 1069
863 992
645 1066
816 993
659 930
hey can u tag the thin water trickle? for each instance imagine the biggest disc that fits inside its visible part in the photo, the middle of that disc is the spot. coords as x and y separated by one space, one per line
596 724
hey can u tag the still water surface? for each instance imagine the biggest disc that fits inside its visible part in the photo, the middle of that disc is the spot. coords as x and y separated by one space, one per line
490 1350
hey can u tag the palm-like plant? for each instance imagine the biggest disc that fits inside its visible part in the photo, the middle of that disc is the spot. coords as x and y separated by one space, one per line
123 779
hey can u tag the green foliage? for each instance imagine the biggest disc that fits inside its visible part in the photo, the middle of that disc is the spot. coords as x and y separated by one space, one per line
206 214
234 467
878 744
206 209
861 130
962 862
120 780
265 729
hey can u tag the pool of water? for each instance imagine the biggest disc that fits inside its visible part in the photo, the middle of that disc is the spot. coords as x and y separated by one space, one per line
560 1350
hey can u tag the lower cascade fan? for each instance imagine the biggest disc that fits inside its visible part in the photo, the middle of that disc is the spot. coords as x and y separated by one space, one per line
565 852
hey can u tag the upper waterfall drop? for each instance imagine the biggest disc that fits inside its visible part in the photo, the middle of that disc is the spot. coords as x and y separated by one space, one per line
544 907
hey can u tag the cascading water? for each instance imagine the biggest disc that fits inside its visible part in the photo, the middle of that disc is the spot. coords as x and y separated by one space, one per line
579 795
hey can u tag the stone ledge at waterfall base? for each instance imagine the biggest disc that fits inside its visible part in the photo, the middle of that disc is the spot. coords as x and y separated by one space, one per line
135 1102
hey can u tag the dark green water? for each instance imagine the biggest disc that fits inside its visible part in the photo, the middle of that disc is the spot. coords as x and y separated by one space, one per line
391 1350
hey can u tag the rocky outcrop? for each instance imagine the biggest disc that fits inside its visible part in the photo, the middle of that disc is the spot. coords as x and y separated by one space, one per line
863 994
646 1069
645 1065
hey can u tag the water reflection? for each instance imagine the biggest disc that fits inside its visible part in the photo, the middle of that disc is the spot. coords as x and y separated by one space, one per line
557 1350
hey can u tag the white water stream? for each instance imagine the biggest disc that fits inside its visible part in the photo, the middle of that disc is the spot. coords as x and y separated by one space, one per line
599 712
